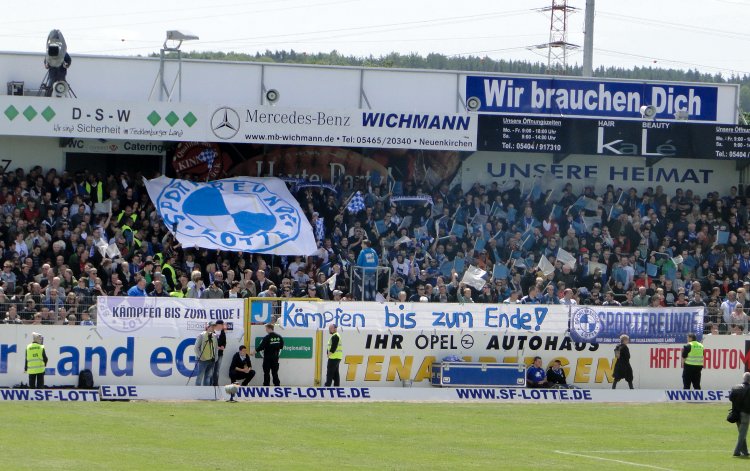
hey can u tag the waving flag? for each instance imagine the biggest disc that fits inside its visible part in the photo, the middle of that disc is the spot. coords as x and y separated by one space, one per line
240 214
356 204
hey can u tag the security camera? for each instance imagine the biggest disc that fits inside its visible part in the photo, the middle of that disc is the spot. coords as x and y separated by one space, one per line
175 35
272 96
648 112
56 48
473 103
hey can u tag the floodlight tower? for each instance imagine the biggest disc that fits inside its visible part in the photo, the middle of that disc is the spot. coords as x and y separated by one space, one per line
558 45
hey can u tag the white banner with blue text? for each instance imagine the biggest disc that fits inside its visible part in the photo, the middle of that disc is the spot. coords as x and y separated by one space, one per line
426 316
166 317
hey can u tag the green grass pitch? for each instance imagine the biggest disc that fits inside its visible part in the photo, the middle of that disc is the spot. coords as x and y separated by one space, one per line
382 436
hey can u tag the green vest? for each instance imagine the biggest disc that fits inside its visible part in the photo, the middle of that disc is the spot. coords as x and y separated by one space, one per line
695 356
34 358
177 294
339 353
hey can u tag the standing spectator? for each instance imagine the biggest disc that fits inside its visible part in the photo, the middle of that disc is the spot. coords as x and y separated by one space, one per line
36 361
335 354
567 298
206 347
214 291
221 344
738 318
271 346
8 277
692 363
368 262
740 397
623 369
642 299
727 307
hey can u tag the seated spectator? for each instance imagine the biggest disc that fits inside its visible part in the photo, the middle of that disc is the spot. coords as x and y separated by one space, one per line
556 375
535 375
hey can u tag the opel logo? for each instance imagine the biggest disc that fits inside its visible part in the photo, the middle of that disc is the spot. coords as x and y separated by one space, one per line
225 123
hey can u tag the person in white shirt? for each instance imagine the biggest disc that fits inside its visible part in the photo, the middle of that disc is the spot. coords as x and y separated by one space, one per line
567 298
727 307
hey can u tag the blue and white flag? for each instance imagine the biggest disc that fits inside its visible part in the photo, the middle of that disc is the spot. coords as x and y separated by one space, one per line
241 214
356 204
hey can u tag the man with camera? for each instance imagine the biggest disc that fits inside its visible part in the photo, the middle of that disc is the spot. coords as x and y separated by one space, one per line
206 348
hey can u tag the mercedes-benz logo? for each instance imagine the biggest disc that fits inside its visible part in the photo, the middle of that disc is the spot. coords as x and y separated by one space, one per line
225 123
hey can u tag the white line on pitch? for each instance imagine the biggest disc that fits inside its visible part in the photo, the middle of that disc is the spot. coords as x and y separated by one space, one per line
645 451
613 460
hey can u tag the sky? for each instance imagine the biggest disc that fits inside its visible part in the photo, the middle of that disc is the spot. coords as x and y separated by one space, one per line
708 35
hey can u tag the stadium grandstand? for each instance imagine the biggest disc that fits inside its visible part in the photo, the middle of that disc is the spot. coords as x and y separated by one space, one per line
618 247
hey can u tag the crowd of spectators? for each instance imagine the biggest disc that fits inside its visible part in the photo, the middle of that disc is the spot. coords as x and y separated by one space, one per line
68 238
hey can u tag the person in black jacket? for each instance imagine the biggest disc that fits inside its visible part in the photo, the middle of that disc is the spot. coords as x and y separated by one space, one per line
740 397
241 368
271 346
623 370
221 338
556 375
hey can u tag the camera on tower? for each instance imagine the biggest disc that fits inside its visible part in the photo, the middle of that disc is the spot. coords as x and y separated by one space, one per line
56 48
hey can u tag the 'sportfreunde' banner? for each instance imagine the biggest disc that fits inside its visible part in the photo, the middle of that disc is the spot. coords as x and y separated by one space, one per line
598 324
152 121
241 214
166 317
426 316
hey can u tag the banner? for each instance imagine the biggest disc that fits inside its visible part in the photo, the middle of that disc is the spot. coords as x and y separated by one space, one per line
166 316
425 316
601 324
169 121
240 214
371 358
702 176
602 98
646 138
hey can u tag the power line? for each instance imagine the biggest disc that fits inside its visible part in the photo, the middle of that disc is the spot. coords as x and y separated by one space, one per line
381 28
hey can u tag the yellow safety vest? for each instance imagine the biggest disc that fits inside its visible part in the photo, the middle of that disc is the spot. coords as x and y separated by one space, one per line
339 353
171 277
99 191
695 356
34 358
177 294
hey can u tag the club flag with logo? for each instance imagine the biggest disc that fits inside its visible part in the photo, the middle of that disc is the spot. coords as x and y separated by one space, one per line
240 214
600 324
